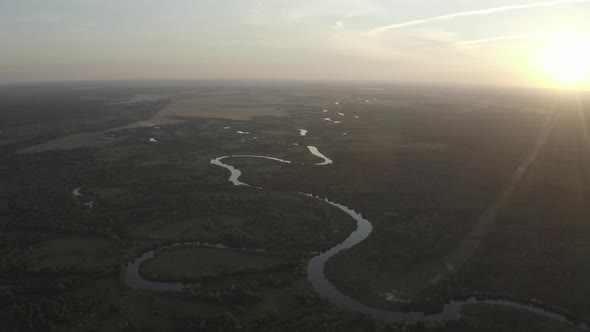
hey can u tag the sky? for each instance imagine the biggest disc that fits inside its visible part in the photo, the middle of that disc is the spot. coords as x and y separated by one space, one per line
481 42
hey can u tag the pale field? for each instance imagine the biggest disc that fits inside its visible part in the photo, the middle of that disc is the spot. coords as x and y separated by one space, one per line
9 141
224 107
139 98
68 143
92 139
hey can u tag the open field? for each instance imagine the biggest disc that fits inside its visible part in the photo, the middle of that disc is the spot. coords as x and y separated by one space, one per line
95 139
69 253
206 263
240 107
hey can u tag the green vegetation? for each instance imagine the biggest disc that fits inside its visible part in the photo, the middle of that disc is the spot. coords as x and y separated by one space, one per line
546 246
207 263
66 254
421 167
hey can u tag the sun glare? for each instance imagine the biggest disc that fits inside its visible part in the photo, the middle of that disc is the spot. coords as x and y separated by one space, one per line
566 61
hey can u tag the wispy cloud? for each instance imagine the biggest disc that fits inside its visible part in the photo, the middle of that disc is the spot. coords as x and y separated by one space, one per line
505 38
479 12
352 13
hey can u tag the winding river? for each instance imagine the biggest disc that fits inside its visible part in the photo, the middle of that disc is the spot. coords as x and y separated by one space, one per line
317 153
134 279
323 286
89 204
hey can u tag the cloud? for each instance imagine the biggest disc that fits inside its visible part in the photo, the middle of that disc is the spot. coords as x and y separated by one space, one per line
504 38
352 13
77 29
31 19
487 11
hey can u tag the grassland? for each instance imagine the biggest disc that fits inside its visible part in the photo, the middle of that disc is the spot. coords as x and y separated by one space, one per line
235 107
68 254
208 263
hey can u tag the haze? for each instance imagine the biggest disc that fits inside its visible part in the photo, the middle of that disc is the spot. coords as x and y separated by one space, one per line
458 41
282 165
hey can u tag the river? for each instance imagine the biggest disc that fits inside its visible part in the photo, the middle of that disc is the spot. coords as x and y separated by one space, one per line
327 290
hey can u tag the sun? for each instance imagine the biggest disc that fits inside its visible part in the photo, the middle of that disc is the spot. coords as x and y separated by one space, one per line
565 61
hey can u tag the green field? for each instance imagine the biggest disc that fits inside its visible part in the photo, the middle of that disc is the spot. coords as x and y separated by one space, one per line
70 253
206 263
